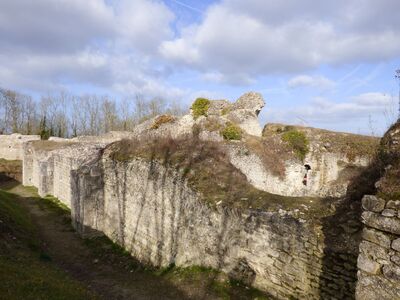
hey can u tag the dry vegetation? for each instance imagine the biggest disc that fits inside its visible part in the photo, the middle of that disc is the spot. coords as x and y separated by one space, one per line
207 169
163 119
272 152
389 156
50 145
352 145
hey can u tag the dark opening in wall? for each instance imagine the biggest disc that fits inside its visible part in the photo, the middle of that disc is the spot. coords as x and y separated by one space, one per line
307 167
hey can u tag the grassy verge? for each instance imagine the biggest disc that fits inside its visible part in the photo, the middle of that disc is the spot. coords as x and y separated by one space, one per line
26 270
216 282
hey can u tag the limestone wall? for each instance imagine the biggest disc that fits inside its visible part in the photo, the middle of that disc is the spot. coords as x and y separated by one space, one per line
327 176
150 210
11 146
48 166
379 259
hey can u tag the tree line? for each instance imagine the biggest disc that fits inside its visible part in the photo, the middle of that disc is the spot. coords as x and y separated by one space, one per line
65 115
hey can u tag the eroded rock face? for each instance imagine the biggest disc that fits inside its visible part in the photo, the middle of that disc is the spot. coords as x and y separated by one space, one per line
379 260
250 101
245 113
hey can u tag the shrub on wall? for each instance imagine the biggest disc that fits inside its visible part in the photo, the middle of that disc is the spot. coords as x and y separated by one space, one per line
298 141
231 132
163 119
200 107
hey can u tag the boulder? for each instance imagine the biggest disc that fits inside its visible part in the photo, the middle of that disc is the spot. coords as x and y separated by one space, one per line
373 203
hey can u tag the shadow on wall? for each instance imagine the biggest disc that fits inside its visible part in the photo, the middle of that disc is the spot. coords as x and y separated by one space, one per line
342 232
172 216
151 211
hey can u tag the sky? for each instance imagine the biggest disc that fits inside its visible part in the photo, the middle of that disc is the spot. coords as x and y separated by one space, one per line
327 64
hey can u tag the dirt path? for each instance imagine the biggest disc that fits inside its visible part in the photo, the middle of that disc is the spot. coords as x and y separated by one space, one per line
109 272
108 278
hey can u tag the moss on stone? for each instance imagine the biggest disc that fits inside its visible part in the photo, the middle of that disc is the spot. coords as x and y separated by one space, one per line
200 107
298 141
231 132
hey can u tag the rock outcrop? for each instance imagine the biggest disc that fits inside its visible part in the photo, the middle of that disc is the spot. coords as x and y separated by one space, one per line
174 191
379 258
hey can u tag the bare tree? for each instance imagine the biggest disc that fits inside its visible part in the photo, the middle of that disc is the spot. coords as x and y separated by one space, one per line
109 119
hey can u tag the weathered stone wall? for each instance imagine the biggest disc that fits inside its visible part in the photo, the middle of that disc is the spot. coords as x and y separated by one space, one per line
11 146
326 177
150 210
379 259
49 169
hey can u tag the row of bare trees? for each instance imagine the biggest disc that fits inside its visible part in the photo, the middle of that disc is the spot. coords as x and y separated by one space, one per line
65 115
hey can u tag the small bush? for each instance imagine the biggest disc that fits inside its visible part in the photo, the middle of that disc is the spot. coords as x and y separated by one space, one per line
298 141
231 132
163 119
200 107
225 111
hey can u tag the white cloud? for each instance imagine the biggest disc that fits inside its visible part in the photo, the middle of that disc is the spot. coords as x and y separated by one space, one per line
319 82
373 100
257 38
143 24
46 44
324 111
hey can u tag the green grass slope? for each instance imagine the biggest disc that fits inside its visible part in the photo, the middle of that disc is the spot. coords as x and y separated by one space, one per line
26 271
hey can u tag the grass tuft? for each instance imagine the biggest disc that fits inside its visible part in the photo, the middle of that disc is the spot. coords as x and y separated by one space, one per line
298 141
200 107
231 132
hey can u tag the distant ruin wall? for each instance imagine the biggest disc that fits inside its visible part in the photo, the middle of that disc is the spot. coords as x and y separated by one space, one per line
11 146
327 177
379 259
149 210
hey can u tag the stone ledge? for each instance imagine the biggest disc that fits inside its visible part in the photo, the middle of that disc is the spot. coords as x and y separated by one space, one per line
377 221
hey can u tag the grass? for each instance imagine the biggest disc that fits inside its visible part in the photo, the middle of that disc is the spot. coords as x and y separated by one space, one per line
272 152
219 283
231 132
198 277
200 107
352 145
389 157
26 270
198 161
297 141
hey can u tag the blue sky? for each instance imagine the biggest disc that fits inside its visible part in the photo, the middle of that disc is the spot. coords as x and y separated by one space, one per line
327 64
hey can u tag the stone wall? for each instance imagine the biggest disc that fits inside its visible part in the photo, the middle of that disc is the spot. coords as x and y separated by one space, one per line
11 146
150 210
49 167
326 178
379 259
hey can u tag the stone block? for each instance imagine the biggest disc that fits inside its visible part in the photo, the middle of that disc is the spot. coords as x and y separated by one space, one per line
367 265
377 221
396 244
374 251
395 259
392 204
387 212
392 272
373 203
376 237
